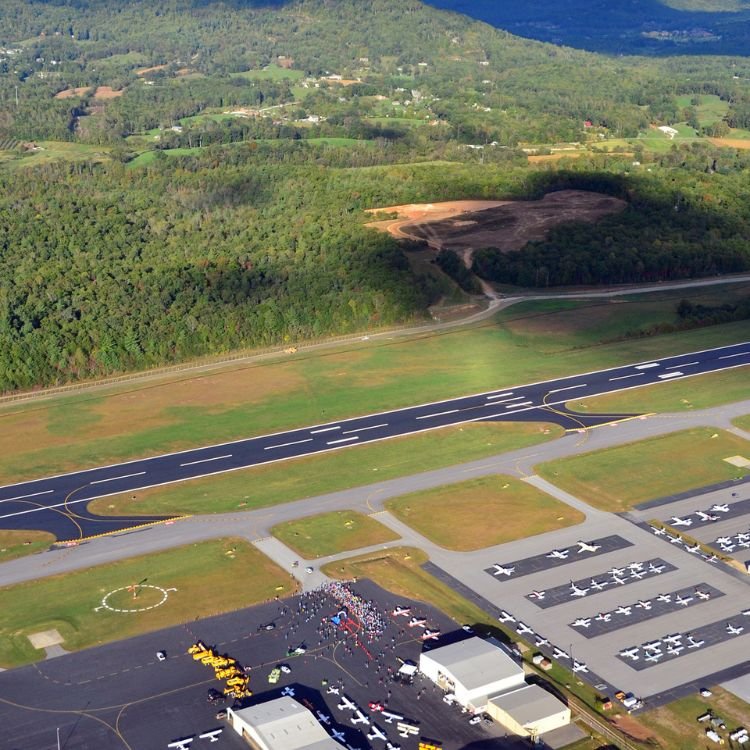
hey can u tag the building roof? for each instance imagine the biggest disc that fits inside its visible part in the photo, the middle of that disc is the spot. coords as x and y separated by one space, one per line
284 724
528 704
475 662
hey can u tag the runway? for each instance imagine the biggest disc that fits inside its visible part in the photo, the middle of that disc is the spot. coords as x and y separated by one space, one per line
58 504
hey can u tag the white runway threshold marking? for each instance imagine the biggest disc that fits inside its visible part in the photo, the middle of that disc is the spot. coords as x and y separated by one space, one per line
523 403
21 497
284 445
324 429
114 479
438 414
343 440
206 460
363 429
625 377
645 367
666 375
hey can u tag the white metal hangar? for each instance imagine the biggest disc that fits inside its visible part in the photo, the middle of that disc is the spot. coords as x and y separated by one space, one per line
280 724
473 670
529 711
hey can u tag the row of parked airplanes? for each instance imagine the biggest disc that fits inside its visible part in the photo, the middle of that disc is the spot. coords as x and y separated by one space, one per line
673 644
417 622
645 605
728 544
633 571
677 539
703 516
556 554
523 629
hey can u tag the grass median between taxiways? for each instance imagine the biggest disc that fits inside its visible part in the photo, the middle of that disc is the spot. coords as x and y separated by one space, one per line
19 543
742 422
618 478
205 576
355 466
482 512
330 533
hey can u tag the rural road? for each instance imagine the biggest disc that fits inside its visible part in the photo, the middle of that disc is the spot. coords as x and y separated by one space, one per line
255 525
48 503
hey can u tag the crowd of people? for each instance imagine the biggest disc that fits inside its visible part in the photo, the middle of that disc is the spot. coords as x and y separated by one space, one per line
371 621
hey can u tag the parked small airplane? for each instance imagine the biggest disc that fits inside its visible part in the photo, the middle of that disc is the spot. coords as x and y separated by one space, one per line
404 611
505 617
586 547
677 521
655 569
729 548
658 531
675 650
559 554
538 595
212 736
288 691
619 581
673 640
719 508
582 622
677 539
644 604
705 517
417 622
541 641
389 717
694 549
522 628
683 601
359 718
630 653
724 540
637 574
746 612
575 591
652 646
653 656
346 704
666 598
377 734
598 585
333 690
694 643
500 570
337 735
603 617
705 595
635 566
711 558
621 610
323 718
733 629
181 744
558 653
616 572
390 746
430 635
579 666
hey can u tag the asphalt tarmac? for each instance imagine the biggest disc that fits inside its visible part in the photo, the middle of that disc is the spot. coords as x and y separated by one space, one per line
57 504
119 697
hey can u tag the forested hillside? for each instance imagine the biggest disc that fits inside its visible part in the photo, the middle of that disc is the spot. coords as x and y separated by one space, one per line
183 177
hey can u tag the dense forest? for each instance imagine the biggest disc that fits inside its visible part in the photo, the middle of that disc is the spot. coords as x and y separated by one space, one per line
214 161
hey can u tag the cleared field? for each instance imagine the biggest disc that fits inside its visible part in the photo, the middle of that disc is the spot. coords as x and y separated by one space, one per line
482 512
270 73
338 470
204 575
675 725
699 392
709 110
50 151
20 543
615 479
331 533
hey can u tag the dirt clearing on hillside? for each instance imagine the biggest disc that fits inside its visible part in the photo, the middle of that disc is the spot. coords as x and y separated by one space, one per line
107 92
731 142
70 93
465 226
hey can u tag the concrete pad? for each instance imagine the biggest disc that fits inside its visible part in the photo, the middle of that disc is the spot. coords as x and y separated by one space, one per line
54 651
46 638
739 461
563 736
740 686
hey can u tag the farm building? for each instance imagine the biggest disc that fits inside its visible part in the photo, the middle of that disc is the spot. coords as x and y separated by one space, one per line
529 711
473 670
281 724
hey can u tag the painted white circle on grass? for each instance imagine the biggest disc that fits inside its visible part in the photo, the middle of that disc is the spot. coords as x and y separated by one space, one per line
162 591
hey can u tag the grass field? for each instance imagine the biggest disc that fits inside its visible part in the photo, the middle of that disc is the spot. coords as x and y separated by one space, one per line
205 576
331 533
19 543
699 392
615 479
54 151
482 512
742 422
524 344
336 470
710 110
270 73
675 725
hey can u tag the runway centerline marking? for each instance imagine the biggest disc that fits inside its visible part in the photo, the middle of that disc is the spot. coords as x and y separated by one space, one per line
683 364
206 460
362 429
343 440
501 395
324 429
568 388
21 497
645 367
284 445
523 403
114 479
625 377
729 356
439 414
674 374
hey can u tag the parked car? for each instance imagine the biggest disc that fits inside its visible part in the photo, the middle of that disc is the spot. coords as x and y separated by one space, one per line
161 655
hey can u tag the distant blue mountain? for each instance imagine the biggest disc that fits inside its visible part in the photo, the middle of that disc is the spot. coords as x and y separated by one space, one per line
644 27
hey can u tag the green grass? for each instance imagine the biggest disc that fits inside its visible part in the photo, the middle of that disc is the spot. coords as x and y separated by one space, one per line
207 117
147 157
482 512
689 394
618 478
206 577
331 533
710 110
270 73
20 543
742 422
55 151
286 481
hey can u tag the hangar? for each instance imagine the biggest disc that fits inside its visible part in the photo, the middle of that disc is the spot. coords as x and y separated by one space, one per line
529 711
473 670
280 724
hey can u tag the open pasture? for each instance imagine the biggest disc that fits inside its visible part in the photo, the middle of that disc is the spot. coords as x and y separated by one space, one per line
482 512
616 479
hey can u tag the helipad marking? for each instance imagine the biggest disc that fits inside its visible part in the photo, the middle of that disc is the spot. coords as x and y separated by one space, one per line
105 599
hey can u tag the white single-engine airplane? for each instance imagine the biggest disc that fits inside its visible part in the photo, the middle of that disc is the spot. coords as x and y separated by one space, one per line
587 547
733 629
346 704
630 653
559 554
603 617
575 591
430 635
389 717
706 517
558 653
677 521
359 718
705 595
683 601
579 666
417 622
403 611
522 629
506 617
622 610
538 595
501 570
376 734
598 585
644 604
666 598
655 569
582 622
719 508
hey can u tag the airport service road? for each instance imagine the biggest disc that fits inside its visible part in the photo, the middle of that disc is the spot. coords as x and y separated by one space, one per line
57 504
